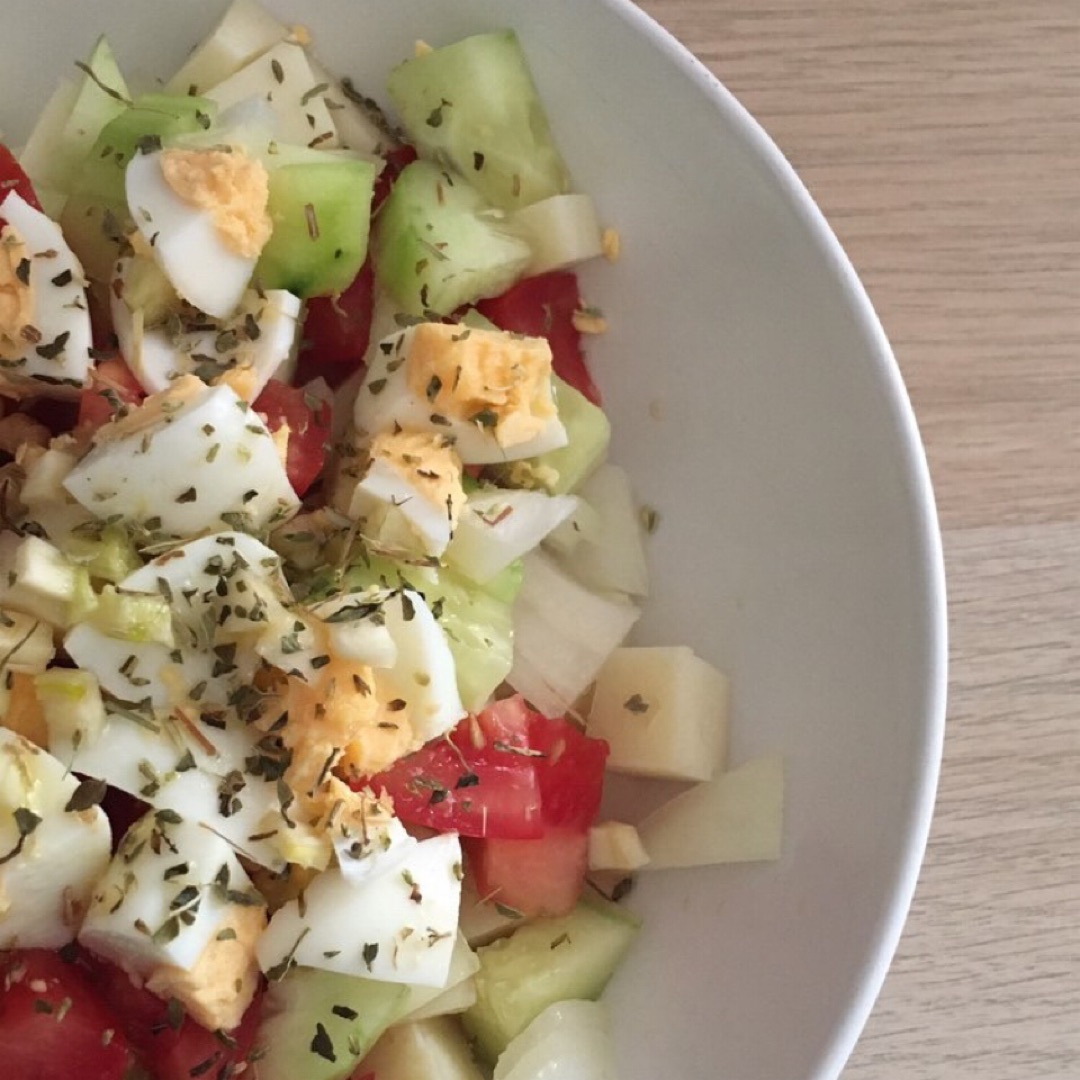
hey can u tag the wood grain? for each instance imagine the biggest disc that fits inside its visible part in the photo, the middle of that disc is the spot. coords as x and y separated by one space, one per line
942 140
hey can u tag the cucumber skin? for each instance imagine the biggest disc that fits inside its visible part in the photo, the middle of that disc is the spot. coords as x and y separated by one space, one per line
320 254
474 104
306 997
545 961
434 249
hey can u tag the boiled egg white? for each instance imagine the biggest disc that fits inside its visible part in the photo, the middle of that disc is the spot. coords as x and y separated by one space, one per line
52 855
208 270
49 355
489 391
259 337
185 462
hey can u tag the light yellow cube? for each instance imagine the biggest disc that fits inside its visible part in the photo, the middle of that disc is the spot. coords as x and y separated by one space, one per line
663 711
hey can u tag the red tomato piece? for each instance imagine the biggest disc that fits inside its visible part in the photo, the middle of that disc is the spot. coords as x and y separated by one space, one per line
309 429
544 306
171 1045
112 386
336 332
508 773
53 1026
452 786
572 776
13 178
533 877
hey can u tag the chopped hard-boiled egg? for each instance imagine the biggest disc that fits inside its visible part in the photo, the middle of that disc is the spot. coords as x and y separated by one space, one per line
253 344
190 459
203 212
44 320
405 490
54 845
395 925
488 390
204 584
422 682
177 909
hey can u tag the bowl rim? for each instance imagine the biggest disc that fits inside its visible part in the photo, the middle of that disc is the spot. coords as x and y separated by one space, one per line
845 1034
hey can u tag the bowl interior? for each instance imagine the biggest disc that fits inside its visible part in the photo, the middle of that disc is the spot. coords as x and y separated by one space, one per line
757 406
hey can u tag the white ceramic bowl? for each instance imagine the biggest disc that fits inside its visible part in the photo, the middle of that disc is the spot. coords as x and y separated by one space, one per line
759 408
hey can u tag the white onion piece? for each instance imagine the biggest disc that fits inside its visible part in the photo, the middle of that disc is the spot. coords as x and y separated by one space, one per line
611 554
497 527
570 1040
563 632
561 231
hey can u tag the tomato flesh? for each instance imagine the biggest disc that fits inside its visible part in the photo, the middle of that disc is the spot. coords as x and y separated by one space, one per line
53 1026
541 877
336 332
14 178
544 306
172 1046
112 386
309 429
452 787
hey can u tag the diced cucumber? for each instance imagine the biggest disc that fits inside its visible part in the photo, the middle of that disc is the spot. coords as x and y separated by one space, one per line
422 1050
478 624
97 209
438 244
137 617
72 121
111 556
474 103
545 961
319 1024
148 289
321 212
71 702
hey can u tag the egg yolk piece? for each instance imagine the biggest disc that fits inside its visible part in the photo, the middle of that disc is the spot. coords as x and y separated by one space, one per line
16 294
500 381
232 186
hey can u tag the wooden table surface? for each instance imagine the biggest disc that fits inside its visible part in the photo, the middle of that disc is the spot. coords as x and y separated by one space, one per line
942 140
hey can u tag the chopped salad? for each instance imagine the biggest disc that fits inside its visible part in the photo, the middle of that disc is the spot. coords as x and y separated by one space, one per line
315 584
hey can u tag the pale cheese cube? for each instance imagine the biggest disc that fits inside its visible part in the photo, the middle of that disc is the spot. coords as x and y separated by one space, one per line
663 711
615 845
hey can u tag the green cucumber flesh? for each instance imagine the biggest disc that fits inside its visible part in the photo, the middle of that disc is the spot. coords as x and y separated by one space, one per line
317 1025
321 211
438 243
474 104
542 962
